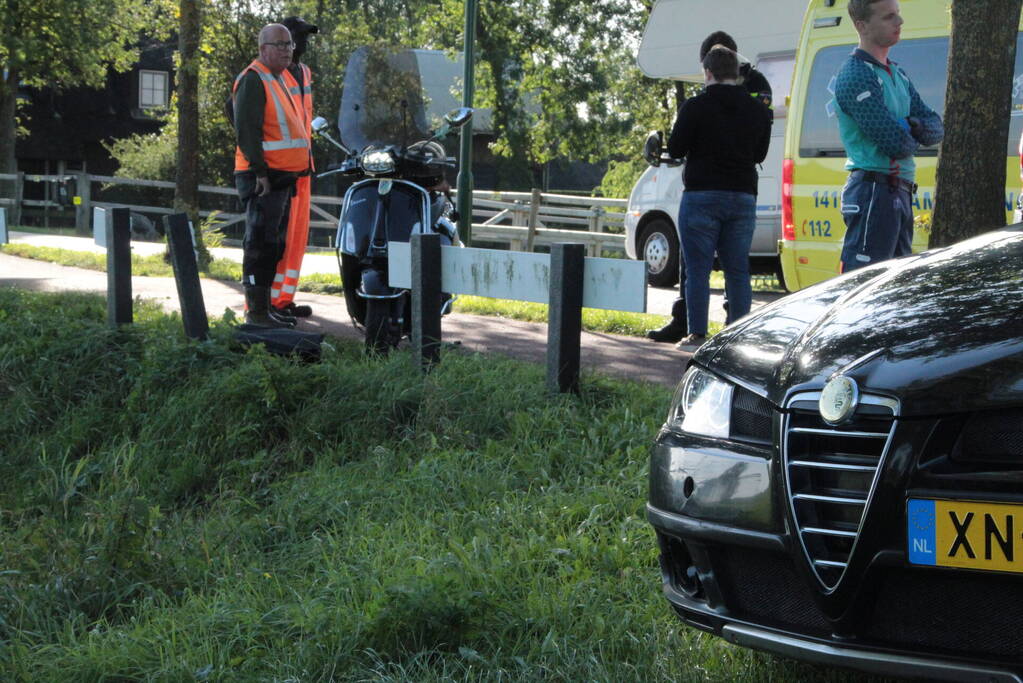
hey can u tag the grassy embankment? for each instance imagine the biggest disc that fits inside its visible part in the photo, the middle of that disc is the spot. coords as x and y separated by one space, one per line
182 511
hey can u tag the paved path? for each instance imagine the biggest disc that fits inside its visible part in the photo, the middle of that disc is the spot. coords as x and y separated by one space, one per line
628 357
659 299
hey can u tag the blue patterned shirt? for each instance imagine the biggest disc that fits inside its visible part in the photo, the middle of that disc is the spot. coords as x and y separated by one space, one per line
874 102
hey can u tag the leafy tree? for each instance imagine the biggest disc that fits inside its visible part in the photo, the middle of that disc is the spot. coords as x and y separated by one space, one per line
562 80
62 43
971 166
227 44
559 76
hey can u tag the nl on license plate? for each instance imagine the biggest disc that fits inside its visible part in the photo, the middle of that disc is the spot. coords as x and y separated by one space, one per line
965 534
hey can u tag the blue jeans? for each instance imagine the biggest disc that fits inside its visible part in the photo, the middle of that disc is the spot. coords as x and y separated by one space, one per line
716 221
878 222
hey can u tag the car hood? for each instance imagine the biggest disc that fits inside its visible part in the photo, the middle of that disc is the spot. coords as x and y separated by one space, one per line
942 331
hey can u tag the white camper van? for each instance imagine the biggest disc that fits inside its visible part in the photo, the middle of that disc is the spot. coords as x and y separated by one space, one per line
766 33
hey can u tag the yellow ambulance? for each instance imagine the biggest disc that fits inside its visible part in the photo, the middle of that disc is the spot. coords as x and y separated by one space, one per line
813 170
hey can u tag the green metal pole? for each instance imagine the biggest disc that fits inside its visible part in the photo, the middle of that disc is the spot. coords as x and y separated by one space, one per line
465 154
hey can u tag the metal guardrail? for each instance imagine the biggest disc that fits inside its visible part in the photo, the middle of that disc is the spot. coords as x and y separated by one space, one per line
520 220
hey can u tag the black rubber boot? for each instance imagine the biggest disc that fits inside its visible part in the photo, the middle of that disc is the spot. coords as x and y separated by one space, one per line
257 301
676 327
282 316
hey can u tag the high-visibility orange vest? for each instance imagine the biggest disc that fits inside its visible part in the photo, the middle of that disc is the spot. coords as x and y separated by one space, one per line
285 131
302 96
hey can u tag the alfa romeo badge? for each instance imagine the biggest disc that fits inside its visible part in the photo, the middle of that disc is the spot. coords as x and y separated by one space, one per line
838 400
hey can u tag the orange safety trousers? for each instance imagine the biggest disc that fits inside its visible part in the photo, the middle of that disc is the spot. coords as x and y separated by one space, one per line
282 291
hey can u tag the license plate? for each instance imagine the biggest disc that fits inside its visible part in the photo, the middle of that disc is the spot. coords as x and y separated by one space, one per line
965 534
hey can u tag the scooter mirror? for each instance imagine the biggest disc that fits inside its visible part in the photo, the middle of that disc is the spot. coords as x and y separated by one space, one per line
319 124
652 148
457 118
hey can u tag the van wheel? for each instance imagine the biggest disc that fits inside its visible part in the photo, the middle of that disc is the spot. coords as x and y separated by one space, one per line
780 274
658 243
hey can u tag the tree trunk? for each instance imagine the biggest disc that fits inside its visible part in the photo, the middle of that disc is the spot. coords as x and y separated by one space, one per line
8 132
969 195
186 190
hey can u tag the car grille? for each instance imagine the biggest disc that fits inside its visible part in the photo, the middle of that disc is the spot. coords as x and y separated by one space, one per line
763 587
830 474
992 439
751 417
968 613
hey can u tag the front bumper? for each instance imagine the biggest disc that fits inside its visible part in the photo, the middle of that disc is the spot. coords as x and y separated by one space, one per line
731 567
880 663
747 592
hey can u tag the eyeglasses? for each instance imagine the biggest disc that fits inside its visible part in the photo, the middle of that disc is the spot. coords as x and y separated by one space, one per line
282 45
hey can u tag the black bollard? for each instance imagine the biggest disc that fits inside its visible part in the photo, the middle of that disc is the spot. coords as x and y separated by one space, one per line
186 275
118 238
565 317
426 293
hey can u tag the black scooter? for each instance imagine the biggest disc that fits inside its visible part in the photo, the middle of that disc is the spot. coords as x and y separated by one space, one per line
401 189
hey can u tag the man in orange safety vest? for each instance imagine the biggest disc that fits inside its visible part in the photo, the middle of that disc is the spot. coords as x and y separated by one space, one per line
273 152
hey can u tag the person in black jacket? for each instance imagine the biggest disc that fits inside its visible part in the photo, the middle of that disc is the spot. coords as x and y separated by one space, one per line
757 86
722 133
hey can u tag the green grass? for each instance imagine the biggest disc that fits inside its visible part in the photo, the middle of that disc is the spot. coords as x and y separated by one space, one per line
153 265
594 320
66 231
187 511
759 282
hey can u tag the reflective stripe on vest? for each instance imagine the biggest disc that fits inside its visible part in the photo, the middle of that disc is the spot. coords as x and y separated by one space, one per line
285 130
302 95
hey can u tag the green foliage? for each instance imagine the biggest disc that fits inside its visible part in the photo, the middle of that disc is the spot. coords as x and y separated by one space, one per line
74 42
67 43
150 157
620 178
347 520
570 92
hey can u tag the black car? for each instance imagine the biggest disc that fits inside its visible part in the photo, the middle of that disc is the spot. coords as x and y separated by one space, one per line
840 477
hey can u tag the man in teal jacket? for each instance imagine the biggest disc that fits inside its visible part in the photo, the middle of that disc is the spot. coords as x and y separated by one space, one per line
882 121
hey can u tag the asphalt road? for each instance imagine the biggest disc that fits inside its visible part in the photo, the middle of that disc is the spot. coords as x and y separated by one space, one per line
659 299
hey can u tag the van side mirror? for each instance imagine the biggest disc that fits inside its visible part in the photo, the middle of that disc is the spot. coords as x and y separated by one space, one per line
652 148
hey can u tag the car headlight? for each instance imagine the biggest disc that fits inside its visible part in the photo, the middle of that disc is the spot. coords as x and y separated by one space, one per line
378 161
702 404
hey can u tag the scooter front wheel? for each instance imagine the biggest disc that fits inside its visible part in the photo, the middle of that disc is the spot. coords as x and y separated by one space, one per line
378 326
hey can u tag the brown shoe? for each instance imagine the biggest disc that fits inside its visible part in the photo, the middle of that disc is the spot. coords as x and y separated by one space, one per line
691 342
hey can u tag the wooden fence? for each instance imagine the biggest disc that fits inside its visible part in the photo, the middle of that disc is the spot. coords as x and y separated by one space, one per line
520 220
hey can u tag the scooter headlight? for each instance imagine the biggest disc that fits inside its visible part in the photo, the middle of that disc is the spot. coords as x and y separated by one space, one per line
378 161
702 404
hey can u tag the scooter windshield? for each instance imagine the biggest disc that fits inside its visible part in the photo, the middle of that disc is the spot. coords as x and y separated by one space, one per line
383 101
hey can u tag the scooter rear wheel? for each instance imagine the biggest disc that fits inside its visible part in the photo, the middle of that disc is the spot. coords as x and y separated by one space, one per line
378 326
